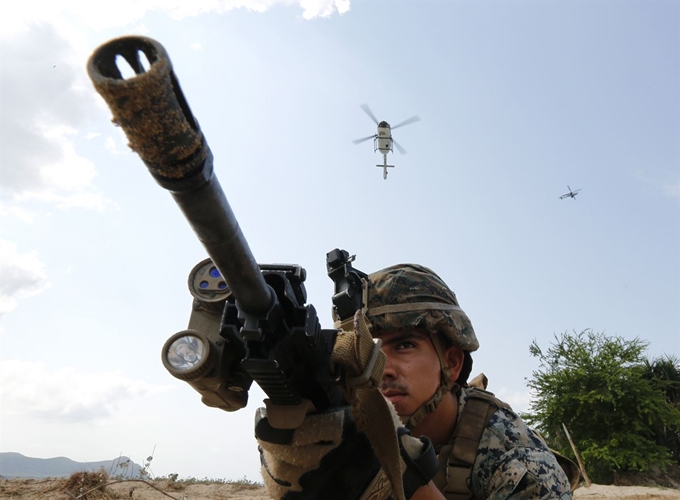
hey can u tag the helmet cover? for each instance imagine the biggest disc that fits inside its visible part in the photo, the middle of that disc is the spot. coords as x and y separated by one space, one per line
411 296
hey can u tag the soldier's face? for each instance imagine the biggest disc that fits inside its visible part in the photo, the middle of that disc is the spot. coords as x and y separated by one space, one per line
412 371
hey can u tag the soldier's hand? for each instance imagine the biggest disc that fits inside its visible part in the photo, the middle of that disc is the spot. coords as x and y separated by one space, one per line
326 457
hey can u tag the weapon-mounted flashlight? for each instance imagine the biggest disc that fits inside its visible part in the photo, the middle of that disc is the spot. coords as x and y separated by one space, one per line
200 355
186 353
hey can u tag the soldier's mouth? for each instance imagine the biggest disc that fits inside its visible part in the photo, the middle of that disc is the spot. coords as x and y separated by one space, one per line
393 396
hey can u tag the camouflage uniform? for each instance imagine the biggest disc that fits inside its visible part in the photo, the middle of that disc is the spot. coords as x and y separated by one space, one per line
512 461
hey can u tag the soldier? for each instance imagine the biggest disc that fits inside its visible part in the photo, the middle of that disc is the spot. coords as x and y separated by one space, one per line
483 449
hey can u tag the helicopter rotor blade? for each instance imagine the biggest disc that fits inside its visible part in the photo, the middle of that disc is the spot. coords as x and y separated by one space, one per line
357 141
413 119
399 148
368 111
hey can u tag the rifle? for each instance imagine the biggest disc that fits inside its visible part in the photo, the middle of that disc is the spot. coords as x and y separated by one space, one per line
248 322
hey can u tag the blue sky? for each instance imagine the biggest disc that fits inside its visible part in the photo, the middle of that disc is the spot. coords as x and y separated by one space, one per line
517 100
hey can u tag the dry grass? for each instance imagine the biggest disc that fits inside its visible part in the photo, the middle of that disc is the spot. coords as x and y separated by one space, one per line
88 485
98 486
17 487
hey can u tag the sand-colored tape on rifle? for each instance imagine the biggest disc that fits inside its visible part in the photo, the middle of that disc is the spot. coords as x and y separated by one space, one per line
352 355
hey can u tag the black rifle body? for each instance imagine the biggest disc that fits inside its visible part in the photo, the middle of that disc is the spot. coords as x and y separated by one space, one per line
266 331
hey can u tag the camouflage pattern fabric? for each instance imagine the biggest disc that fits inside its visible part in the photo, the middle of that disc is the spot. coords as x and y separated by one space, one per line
514 463
409 296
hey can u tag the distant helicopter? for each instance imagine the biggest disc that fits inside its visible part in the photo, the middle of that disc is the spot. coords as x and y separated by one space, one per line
570 194
382 140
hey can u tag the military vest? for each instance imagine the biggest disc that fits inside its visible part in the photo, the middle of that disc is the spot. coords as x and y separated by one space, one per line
458 456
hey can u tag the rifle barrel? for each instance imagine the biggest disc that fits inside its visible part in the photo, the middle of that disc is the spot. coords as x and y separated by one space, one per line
152 111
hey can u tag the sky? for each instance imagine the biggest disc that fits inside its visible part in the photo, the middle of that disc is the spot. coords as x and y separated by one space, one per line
518 100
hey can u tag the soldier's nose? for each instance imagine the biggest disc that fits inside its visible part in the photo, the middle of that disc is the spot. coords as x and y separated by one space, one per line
389 371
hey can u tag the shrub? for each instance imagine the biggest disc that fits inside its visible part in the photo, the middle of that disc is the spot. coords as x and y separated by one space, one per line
601 387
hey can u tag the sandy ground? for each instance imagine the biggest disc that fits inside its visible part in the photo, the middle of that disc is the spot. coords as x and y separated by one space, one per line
53 489
601 492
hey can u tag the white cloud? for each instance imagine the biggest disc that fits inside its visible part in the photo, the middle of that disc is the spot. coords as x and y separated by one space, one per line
671 189
20 213
39 107
89 201
105 15
323 8
66 180
45 97
114 146
31 390
71 172
44 102
23 275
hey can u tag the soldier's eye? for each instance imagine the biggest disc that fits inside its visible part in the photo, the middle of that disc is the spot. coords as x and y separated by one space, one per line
405 344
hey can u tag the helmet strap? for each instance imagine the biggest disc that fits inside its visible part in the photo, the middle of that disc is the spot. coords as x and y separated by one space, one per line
445 385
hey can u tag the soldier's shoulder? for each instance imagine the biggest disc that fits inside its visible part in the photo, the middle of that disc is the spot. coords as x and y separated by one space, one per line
480 394
508 429
504 429
510 450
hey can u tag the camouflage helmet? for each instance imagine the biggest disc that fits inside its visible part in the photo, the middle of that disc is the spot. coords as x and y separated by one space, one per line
413 296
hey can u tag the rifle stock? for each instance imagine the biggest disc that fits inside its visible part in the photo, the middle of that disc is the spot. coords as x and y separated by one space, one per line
249 322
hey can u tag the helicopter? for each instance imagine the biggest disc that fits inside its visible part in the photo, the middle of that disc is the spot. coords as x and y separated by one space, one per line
570 194
382 140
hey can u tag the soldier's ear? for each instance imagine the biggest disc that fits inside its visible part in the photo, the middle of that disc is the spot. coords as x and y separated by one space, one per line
455 358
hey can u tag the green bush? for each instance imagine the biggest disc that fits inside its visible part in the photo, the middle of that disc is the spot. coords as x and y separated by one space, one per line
615 408
664 373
